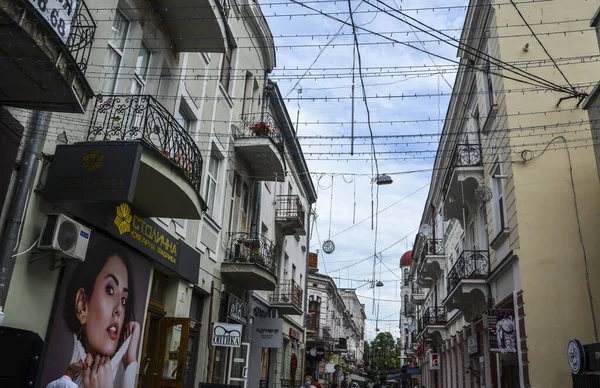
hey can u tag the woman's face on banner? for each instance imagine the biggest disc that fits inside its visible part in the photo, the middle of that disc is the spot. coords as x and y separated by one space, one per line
106 308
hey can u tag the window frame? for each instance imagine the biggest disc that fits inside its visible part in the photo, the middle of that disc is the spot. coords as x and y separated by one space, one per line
213 181
225 76
498 200
138 78
120 51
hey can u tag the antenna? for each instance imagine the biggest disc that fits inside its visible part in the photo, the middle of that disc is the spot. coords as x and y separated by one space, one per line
425 230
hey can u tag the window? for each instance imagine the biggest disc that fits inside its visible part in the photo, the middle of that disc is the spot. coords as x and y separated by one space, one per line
210 194
498 202
227 68
141 70
116 46
487 82
183 118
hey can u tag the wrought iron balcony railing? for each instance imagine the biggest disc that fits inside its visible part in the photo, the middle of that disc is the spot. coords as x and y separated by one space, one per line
470 265
287 292
464 155
259 124
433 316
289 206
81 37
224 7
312 321
141 117
431 247
251 248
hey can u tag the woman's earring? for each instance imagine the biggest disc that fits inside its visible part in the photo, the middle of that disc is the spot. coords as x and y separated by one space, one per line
82 322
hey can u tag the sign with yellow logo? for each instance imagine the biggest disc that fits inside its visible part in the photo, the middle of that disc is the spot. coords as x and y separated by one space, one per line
93 173
144 234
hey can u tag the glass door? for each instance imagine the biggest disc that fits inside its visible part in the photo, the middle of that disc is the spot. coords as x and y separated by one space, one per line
174 336
238 365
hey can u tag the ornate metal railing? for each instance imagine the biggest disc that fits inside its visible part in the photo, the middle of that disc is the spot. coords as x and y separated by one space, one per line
224 7
251 248
433 316
289 206
470 265
81 37
464 155
431 247
259 124
139 117
287 292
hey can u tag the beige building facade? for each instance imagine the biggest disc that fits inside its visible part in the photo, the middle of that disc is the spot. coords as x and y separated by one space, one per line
513 195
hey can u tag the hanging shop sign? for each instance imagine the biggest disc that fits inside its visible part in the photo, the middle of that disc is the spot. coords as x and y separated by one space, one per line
237 309
227 335
315 354
267 333
583 358
473 343
502 331
434 361
86 173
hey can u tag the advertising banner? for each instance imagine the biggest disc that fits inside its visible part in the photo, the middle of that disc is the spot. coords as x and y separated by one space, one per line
502 331
100 310
268 333
227 335
237 309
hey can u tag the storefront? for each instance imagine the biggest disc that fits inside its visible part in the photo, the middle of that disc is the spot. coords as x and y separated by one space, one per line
133 297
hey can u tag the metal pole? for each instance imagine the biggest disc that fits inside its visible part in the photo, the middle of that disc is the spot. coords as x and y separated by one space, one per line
38 128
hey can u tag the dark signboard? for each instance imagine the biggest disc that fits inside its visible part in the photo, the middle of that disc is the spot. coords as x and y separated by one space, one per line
99 172
237 309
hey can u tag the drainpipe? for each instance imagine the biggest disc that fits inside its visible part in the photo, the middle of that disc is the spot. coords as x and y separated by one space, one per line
254 226
305 310
36 135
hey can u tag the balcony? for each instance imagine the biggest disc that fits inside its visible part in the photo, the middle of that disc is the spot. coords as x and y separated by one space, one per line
290 215
431 262
258 141
170 163
287 298
432 324
418 295
467 284
463 177
250 262
194 25
44 55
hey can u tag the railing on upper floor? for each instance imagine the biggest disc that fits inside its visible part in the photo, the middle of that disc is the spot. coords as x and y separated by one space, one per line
259 124
464 155
470 265
433 315
287 292
289 206
253 249
142 117
81 37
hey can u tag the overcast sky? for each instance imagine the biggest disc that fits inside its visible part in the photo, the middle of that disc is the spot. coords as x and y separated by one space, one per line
404 199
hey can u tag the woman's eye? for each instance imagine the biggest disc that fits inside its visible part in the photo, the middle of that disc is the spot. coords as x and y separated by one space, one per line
123 301
110 290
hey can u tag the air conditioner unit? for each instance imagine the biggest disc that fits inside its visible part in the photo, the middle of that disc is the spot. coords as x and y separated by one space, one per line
62 234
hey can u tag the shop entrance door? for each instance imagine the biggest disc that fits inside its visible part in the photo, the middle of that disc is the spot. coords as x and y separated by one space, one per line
148 365
172 356
238 365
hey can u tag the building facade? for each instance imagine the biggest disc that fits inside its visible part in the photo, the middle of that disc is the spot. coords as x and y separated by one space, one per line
334 330
162 172
511 196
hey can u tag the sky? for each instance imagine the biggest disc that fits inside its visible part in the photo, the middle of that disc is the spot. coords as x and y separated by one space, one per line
306 39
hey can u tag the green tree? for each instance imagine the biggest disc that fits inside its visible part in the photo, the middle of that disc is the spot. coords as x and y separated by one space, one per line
382 355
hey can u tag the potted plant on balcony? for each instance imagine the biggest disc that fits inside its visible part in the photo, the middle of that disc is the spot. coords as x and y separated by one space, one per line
261 129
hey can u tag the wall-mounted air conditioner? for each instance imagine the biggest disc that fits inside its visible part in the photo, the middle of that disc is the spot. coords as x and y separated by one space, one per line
63 235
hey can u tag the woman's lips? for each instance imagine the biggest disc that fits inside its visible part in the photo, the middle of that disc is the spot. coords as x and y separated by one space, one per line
113 330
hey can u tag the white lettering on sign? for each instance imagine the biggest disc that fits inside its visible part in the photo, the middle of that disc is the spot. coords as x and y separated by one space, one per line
58 13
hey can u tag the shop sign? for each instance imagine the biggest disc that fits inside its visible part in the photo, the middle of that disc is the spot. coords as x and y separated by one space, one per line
58 14
93 173
237 309
473 343
434 361
502 331
583 358
414 371
295 334
315 354
268 333
227 335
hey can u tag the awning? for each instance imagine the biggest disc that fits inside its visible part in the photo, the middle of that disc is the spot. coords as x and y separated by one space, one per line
354 377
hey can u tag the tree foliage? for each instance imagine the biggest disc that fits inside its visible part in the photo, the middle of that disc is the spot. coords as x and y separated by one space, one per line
382 355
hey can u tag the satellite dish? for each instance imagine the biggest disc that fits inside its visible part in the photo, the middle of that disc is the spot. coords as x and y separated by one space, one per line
425 230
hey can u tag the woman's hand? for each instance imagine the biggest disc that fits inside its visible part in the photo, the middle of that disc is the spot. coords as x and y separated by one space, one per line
132 330
97 373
